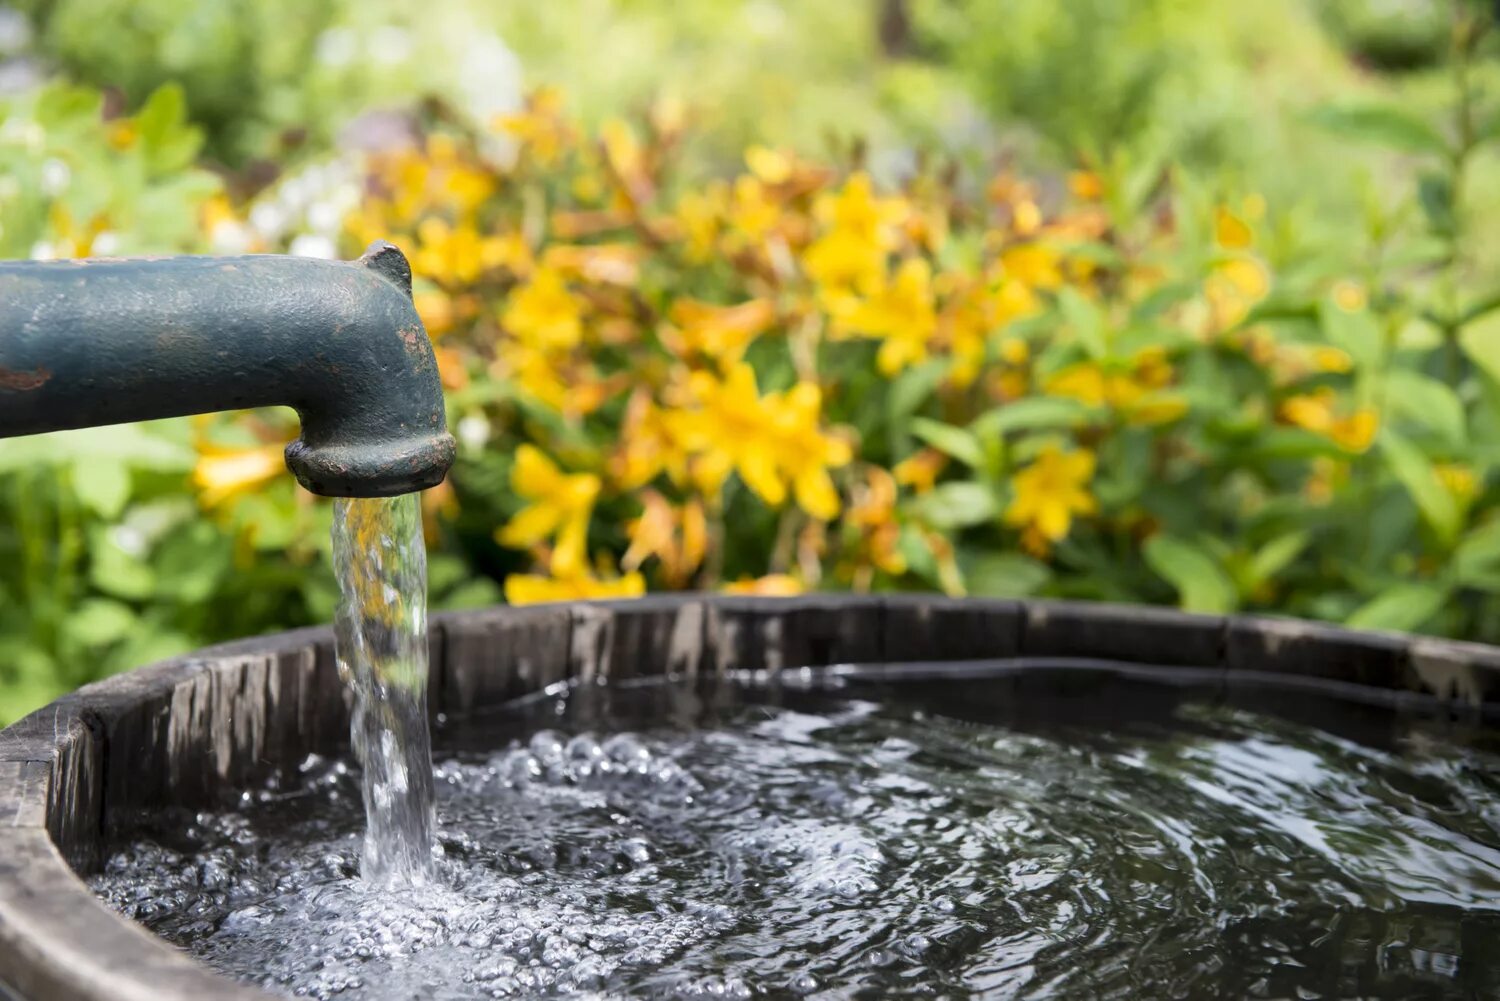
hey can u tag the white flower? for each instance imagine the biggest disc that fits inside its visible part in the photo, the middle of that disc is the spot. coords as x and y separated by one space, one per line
15 31
106 243
390 45
337 47
128 539
269 220
313 245
230 238
43 250
473 430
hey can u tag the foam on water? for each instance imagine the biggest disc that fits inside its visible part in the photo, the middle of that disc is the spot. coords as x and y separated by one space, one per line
918 843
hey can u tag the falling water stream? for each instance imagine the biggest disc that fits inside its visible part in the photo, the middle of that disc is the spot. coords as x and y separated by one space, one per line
381 561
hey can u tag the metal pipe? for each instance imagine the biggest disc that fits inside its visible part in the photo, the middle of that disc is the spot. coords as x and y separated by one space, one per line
84 343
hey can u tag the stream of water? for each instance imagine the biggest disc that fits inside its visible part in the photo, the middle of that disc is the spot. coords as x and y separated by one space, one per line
381 561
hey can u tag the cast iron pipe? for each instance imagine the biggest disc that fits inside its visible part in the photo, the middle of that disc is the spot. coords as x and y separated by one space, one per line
84 343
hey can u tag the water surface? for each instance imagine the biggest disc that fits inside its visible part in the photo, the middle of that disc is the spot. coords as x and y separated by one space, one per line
947 838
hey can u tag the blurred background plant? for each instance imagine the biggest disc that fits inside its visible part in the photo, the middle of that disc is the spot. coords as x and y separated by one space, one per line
1183 302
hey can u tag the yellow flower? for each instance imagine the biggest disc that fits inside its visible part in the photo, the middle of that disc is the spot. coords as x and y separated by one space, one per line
1331 359
1459 480
805 452
1232 288
570 387
771 166
1326 477
1136 392
731 431
699 214
651 442
860 230
605 263
1034 265
560 507
902 315
1311 411
123 133
447 254
544 314
856 210
920 469
1350 296
1026 217
1356 433
1318 412
773 442
753 213
222 474
776 585
1050 491
531 589
719 332
676 536
1085 185
874 513
841 263
540 128
1230 231
1015 351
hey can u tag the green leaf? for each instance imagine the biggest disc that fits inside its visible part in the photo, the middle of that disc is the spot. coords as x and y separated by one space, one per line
1435 195
99 621
1276 555
103 485
477 592
957 505
1416 474
114 571
191 562
951 441
1384 125
1030 414
908 392
1202 585
1481 342
129 443
1477 556
1005 575
1403 608
1086 321
1428 402
1355 331
911 389
168 141
147 646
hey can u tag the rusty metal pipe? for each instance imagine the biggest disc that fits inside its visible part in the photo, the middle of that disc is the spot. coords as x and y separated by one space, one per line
84 343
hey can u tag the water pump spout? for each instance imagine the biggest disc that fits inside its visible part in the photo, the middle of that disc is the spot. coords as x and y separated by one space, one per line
85 343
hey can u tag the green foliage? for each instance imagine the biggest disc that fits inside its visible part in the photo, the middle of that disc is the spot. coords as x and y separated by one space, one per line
72 183
1382 184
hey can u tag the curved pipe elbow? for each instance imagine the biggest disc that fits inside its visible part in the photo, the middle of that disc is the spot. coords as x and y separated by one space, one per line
373 423
85 343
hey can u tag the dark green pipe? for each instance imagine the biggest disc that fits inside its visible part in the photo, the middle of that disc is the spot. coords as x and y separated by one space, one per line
84 343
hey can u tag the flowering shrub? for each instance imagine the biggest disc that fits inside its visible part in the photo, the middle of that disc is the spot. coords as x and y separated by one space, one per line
1105 386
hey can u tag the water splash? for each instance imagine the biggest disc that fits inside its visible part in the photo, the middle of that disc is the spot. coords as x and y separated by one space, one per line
381 562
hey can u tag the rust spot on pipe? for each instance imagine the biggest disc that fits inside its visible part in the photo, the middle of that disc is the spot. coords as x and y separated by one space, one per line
20 382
